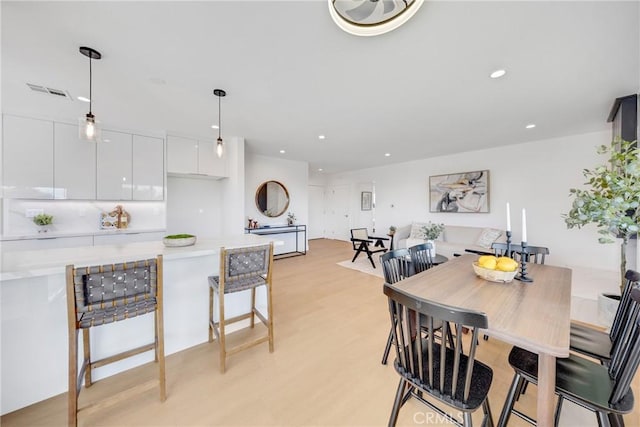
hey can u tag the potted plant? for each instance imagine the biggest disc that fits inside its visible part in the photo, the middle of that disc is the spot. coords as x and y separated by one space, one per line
290 218
431 232
392 230
43 221
611 198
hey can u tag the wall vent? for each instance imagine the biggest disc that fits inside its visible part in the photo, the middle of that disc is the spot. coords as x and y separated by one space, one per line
56 92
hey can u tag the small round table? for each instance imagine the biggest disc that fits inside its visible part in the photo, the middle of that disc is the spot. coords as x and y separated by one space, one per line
439 259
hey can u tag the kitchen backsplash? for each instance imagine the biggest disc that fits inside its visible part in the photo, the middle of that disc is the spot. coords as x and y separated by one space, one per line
77 216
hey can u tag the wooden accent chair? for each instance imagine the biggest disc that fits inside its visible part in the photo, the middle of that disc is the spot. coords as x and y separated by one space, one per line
450 376
361 242
241 269
605 390
102 294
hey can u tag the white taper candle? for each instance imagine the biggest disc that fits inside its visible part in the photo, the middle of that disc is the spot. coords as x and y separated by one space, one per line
508 217
524 225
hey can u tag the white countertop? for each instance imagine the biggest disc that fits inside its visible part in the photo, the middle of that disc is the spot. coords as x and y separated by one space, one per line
55 234
25 264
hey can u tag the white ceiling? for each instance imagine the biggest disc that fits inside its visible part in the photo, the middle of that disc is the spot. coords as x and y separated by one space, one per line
291 74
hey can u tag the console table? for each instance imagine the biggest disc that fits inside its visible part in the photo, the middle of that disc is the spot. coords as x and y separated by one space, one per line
284 229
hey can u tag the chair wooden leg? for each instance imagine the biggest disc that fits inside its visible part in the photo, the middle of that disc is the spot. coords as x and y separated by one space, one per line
387 348
270 318
159 329
466 419
211 314
253 307
510 401
86 344
73 379
397 403
223 352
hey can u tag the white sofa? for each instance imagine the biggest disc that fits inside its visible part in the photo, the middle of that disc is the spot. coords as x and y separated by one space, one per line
455 239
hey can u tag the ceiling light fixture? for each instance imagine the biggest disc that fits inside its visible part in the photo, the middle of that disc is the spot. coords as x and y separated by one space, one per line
387 154
321 137
319 169
530 126
83 99
89 129
219 147
497 74
282 151
215 127
372 17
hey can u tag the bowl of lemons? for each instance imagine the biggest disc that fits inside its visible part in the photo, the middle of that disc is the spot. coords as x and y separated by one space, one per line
496 269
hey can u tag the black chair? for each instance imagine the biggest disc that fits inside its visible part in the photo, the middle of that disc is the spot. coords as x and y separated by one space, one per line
425 366
598 344
421 257
601 389
396 266
370 245
535 254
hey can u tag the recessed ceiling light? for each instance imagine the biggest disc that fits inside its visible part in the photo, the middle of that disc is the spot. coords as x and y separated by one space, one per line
497 74
387 154
530 126
282 151
215 127
319 169
321 137
83 99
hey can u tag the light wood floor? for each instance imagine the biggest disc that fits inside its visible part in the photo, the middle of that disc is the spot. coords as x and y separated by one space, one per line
331 324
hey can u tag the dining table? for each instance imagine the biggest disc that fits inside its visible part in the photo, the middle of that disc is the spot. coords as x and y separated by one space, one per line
532 315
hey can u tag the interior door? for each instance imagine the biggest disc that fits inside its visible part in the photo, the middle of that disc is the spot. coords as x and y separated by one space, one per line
338 215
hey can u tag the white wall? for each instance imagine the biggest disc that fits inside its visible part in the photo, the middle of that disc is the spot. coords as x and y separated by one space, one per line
194 206
536 176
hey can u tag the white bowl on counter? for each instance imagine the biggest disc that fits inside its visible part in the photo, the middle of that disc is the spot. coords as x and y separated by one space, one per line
178 242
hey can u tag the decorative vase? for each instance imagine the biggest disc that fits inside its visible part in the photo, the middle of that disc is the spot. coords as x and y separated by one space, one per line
43 228
432 251
289 221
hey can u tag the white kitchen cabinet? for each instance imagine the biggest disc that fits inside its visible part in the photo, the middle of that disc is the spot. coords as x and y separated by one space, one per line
148 168
186 156
27 159
75 164
114 166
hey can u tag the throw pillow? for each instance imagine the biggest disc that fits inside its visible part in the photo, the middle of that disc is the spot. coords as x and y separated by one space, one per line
416 231
487 237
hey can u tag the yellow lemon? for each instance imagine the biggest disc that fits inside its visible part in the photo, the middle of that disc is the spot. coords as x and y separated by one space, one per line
506 264
488 262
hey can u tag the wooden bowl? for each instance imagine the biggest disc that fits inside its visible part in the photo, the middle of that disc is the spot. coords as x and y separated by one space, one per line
494 275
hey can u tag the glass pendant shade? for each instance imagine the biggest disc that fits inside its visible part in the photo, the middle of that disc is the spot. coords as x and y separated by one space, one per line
89 128
219 148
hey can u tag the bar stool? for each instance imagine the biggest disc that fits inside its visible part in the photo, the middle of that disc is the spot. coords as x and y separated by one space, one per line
102 294
241 269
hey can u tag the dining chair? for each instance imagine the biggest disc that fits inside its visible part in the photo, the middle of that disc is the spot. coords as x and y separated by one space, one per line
598 344
363 243
605 390
535 254
102 294
241 269
421 257
452 376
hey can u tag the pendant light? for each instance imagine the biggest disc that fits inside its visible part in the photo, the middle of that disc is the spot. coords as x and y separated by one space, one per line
89 129
219 147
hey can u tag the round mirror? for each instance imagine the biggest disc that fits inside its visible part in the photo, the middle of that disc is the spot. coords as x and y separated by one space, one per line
272 199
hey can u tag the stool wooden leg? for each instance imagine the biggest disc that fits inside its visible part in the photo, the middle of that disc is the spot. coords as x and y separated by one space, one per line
159 327
223 351
211 314
253 306
86 343
73 378
270 318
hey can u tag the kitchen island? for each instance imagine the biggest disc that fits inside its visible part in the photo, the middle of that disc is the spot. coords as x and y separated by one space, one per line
34 341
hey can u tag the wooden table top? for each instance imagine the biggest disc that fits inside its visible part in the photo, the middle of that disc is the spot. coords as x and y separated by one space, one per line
534 316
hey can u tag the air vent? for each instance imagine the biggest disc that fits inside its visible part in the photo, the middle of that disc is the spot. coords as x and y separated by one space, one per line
50 91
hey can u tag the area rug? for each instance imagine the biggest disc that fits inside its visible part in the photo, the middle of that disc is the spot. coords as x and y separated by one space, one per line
363 265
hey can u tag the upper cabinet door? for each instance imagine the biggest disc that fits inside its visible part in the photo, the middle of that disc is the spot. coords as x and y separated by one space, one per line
148 168
208 162
75 164
114 170
27 159
182 155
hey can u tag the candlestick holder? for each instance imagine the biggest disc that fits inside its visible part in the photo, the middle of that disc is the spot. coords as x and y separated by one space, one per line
508 253
523 265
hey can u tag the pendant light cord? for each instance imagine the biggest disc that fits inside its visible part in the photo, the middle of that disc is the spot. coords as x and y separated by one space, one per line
219 120
90 81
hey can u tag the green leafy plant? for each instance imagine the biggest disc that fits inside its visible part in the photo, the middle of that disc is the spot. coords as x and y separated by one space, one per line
612 198
392 229
432 231
179 236
43 219
291 216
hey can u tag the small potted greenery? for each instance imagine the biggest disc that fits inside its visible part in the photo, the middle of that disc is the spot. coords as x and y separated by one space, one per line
291 218
611 198
43 221
431 232
177 240
392 230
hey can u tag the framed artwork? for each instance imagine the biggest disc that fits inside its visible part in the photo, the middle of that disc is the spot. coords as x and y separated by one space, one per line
365 201
466 192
